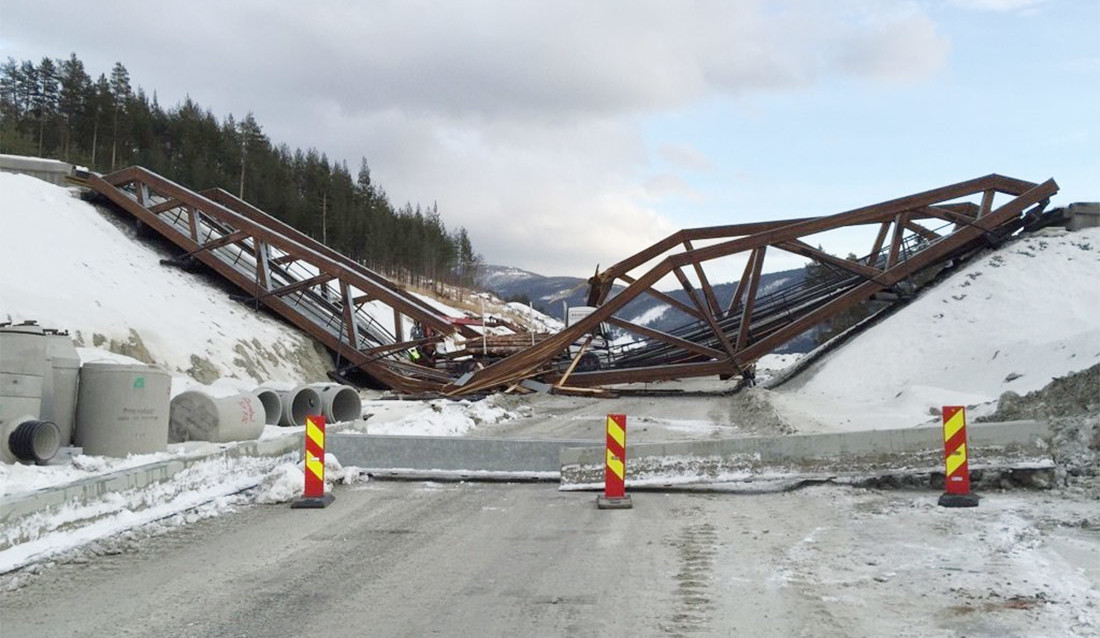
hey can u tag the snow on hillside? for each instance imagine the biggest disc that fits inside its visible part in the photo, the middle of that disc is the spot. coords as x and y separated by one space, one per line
1012 319
69 267
534 319
651 315
772 286
494 277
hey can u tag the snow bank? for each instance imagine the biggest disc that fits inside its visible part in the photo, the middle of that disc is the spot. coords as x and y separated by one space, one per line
1012 319
68 266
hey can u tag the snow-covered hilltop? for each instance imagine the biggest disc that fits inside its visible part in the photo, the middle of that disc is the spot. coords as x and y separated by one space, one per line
68 266
1010 320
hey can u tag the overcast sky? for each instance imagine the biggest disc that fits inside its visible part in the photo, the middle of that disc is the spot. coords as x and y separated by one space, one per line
567 134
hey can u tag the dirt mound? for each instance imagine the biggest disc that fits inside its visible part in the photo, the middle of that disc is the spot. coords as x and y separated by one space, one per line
756 411
1072 405
1071 395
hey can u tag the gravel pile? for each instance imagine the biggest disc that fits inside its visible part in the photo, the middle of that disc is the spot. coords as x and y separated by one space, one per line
1072 406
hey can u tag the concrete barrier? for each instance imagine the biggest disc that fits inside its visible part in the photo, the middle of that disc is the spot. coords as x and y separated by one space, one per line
17 509
458 454
1083 215
52 171
1010 444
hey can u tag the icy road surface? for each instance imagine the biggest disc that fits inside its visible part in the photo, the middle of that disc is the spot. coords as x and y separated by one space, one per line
416 559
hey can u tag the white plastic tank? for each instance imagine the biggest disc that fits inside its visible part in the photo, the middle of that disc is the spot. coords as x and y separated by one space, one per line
23 369
59 396
198 416
122 409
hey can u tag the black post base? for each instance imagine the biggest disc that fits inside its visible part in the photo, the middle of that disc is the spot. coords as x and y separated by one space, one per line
958 500
312 502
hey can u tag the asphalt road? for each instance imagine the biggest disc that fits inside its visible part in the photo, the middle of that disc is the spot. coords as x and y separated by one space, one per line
416 559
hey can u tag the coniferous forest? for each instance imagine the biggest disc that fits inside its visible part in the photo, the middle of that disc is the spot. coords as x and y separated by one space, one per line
55 109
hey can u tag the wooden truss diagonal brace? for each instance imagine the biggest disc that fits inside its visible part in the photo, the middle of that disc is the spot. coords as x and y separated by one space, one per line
750 301
232 238
664 337
685 283
704 283
799 247
298 285
672 301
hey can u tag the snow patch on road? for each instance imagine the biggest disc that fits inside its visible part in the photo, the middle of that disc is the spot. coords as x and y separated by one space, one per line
445 418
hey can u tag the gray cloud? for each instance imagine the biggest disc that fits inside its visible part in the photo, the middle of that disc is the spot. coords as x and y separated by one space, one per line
521 119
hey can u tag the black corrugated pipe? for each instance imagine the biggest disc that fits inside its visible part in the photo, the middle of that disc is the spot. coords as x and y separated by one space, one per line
35 441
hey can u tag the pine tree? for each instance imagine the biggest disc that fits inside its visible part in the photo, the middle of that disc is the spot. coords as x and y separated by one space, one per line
101 95
120 94
10 111
9 90
26 87
45 102
252 140
73 97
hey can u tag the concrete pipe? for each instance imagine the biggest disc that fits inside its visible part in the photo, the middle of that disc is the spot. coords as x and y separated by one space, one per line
197 416
340 402
273 405
299 403
29 440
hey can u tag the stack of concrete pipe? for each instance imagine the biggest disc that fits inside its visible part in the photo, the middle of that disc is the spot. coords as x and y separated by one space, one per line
200 416
47 400
336 402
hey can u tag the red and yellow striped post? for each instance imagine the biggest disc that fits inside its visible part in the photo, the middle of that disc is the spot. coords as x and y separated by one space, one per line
314 495
614 495
957 478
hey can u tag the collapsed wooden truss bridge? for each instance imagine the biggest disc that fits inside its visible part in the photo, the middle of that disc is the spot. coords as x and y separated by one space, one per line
324 293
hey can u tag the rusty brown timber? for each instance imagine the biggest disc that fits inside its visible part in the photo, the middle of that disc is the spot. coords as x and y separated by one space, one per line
736 336
315 288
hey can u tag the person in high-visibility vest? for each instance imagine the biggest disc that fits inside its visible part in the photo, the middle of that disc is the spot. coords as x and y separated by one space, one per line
415 354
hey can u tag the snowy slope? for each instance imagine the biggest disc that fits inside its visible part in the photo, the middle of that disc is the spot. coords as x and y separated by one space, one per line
1012 319
65 265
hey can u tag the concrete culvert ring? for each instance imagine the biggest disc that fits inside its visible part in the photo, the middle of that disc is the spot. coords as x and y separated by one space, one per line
273 405
342 403
299 404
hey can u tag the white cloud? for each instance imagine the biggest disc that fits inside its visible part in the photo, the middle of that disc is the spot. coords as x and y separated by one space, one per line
521 119
999 5
665 184
686 156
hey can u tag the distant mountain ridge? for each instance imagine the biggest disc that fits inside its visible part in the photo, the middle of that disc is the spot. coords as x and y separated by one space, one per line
548 293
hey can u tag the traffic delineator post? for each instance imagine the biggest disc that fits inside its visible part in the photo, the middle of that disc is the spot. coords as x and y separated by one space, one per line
615 496
314 496
957 477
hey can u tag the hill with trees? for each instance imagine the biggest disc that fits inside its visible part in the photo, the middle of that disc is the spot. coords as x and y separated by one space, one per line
55 109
